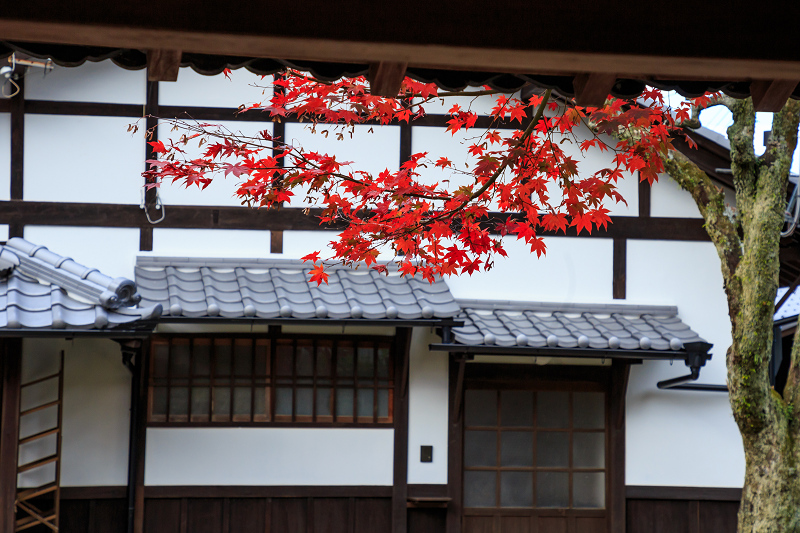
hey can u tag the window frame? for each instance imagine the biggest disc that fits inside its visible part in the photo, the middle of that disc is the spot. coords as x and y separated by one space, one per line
272 380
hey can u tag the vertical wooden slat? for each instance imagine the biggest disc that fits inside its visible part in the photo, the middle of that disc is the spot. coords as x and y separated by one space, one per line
401 347
645 190
11 362
620 262
17 153
151 110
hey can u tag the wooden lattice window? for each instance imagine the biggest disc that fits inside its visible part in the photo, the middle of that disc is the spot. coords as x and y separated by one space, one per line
535 449
272 381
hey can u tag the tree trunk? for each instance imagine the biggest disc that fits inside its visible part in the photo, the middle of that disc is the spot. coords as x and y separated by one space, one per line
747 243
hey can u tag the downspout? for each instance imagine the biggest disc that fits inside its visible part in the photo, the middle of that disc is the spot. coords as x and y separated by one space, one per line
131 358
696 357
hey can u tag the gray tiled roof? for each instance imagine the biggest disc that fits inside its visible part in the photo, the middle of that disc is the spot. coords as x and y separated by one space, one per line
42 290
267 289
539 325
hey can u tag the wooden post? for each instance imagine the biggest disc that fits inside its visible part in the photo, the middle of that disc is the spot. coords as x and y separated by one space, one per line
455 434
400 485
11 364
143 367
620 372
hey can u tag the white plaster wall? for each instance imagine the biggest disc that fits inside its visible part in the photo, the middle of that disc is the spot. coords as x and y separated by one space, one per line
112 251
91 82
3 232
5 156
667 199
576 270
197 90
96 412
209 243
269 456
370 148
427 409
222 189
82 159
437 142
681 438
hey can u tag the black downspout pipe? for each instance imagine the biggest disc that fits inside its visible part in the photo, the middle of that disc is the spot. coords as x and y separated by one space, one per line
132 359
696 356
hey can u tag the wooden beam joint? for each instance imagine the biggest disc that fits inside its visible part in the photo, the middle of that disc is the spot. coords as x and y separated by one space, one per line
163 65
770 95
592 89
386 77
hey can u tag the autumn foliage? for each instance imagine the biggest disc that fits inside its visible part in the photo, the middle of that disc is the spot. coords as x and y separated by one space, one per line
516 182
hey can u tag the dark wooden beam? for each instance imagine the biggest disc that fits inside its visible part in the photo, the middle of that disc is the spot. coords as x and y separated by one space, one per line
378 31
267 491
646 492
386 77
163 65
592 89
276 242
771 95
11 365
298 219
140 434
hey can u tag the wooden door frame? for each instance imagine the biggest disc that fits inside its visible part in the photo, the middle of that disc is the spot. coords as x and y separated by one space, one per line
615 381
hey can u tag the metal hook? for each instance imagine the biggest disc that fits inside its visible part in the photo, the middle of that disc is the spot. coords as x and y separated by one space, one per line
159 205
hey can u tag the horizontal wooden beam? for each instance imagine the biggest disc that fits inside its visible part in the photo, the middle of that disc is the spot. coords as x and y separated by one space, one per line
163 65
771 95
257 491
643 492
467 43
297 219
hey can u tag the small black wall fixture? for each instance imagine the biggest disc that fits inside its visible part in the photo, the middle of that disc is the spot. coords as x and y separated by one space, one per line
696 357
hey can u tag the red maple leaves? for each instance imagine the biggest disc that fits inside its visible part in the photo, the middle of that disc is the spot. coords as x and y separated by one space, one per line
438 228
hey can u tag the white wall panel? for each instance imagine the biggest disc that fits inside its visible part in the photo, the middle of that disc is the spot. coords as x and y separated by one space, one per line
681 437
440 143
427 409
370 152
269 456
209 243
91 82
222 189
82 159
112 251
96 408
667 199
481 105
576 270
193 89
5 156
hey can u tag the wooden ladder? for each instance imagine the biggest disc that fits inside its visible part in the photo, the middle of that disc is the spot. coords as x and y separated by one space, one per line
40 505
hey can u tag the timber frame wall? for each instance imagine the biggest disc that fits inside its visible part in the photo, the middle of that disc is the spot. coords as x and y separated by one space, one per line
18 213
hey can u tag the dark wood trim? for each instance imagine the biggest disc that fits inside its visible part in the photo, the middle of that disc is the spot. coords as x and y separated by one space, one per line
151 135
276 242
402 346
18 142
275 491
455 435
296 219
419 490
146 239
406 136
645 194
94 493
644 492
619 281
83 109
11 364
616 470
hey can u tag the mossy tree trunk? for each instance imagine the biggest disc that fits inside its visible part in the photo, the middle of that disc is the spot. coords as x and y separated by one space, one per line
747 245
